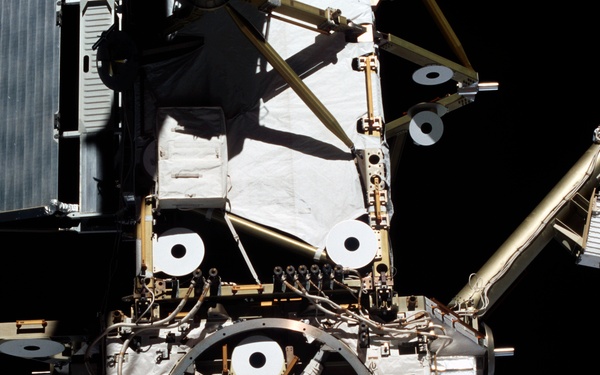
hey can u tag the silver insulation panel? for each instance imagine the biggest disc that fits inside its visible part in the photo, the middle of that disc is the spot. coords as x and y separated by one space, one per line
29 99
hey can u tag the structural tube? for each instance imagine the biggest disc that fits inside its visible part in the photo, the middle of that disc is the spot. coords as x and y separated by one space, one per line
532 235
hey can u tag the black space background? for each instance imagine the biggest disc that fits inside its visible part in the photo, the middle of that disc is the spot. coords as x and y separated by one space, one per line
455 202
458 200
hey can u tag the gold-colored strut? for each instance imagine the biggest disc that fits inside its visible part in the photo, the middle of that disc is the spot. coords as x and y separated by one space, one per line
224 354
447 31
420 56
400 125
385 259
370 66
372 125
291 78
265 233
377 198
144 235
320 20
291 365
325 20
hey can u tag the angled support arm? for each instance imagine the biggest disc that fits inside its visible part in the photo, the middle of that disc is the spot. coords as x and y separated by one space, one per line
291 78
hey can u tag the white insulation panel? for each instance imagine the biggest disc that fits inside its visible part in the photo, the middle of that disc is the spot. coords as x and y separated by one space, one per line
192 157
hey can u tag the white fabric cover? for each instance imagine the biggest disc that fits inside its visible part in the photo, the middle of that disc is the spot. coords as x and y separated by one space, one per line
287 170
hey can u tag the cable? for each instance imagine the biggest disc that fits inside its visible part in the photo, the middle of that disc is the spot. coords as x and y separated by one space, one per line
163 323
149 305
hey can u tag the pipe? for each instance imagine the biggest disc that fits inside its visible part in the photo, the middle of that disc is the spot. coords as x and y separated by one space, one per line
526 242
265 233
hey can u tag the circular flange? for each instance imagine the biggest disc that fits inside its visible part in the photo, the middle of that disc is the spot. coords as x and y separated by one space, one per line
254 325
432 75
352 244
31 348
426 128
